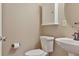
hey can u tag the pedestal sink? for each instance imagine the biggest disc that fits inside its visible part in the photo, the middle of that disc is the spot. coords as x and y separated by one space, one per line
70 45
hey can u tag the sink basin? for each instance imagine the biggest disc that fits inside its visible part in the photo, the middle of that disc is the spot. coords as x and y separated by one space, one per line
70 45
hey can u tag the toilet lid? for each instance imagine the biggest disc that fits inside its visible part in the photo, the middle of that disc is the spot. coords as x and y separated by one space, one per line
36 52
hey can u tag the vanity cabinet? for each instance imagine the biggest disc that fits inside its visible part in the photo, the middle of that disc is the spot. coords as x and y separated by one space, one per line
50 14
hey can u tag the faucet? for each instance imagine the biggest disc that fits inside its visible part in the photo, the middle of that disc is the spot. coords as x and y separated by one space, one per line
76 36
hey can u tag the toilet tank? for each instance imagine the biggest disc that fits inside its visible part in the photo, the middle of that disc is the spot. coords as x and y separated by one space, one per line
47 43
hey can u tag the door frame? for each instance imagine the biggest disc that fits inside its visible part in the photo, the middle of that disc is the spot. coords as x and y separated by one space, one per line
1 28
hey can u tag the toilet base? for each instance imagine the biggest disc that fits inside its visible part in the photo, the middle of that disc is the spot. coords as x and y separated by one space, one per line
50 53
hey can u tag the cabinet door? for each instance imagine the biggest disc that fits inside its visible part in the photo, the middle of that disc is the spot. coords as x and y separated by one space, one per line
48 14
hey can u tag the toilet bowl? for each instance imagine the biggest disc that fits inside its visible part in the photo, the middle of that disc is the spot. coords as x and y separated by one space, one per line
36 52
47 46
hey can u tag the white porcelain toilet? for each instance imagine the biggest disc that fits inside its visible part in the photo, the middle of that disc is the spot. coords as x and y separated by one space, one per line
47 46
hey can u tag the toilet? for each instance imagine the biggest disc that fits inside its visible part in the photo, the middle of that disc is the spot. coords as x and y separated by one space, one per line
47 47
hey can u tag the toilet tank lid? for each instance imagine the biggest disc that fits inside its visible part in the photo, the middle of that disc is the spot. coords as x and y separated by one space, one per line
47 37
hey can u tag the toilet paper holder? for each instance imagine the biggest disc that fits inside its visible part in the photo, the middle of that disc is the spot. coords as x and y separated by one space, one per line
15 45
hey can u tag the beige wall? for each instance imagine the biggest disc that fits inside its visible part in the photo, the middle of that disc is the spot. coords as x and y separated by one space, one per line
72 15
20 24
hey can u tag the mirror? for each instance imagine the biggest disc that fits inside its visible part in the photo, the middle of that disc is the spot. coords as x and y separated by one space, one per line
50 14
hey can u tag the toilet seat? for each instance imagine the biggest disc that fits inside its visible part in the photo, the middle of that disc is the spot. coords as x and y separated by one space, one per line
36 52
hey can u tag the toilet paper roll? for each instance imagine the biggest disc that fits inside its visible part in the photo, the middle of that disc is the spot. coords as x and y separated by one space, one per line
15 45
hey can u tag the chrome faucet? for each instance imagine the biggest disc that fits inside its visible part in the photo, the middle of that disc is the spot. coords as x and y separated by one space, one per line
76 36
